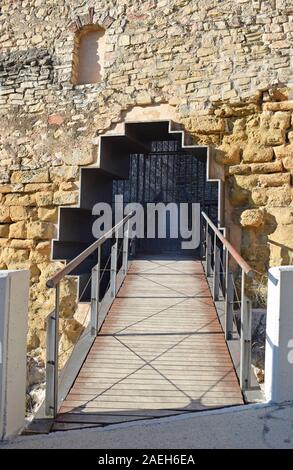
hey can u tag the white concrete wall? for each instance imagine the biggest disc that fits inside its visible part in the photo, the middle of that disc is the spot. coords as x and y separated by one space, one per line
279 336
14 288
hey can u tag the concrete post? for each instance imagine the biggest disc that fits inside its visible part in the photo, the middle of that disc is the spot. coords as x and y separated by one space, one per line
279 336
14 287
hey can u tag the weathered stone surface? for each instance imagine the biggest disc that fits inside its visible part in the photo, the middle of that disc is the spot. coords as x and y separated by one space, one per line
279 106
252 218
275 179
4 230
207 125
262 168
40 230
30 176
18 213
65 197
254 153
228 155
4 214
259 196
44 198
284 151
48 215
63 173
78 156
18 230
279 196
273 137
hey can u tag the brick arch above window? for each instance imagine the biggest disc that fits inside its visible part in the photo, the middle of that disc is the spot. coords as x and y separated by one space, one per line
89 45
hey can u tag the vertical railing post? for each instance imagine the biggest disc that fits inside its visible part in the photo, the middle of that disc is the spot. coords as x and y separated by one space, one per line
113 272
51 403
229 297
202 237
208 251
95 290
245 338
216 276
125 250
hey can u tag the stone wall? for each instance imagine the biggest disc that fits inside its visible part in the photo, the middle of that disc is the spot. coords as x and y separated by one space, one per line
224 66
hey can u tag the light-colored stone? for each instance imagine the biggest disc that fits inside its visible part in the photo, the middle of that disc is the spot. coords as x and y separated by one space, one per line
30 176
252 218
255 154
65 197
40 230
48 215
4 214
18 230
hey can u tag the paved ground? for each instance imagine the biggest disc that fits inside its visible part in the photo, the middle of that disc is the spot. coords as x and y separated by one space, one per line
254 426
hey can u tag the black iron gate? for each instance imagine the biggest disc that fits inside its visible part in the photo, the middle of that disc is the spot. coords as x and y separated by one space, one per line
168 174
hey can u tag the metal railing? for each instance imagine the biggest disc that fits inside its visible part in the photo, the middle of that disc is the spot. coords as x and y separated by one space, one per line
218 251
98 309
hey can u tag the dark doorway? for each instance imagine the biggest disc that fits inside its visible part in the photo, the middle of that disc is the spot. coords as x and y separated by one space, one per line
168 174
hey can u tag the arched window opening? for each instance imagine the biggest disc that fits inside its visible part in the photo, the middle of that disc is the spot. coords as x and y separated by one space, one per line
88 55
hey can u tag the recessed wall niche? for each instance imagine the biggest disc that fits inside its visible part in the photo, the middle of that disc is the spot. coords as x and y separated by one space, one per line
88 55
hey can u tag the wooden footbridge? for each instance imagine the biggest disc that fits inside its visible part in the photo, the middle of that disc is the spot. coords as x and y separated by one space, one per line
157 347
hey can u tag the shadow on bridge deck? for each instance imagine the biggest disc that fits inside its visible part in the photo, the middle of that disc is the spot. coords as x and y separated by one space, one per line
160 352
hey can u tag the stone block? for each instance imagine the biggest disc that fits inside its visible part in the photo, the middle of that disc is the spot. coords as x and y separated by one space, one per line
255 154
48 215
18 230
284 151
4 214
18 213
30 176
275 179
279 106
65 197
4 230
252 218
40 230
63 173
44 198
279 197
228 155
207 125
259 196
270 167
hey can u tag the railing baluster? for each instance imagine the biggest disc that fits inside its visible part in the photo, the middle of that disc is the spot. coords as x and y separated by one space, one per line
229 297
113 272
216 277
95 288
208 252
125 249
51 403
245 338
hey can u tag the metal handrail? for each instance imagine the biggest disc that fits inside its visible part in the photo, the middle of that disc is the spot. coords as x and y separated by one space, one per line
98 310
59 275
228 290
233 252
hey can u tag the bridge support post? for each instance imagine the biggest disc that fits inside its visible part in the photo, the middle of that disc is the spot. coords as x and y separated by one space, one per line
229 297
216 277
245 338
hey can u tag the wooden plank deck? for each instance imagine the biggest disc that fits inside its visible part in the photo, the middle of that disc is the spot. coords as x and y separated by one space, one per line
161 351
